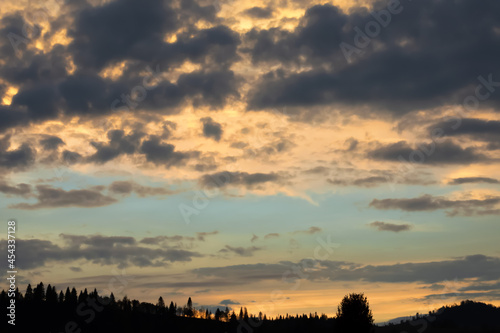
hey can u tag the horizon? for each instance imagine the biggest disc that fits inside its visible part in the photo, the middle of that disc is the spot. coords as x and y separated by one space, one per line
273 155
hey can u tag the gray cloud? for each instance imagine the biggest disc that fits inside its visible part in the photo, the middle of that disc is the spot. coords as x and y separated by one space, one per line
241 251
15 159
430 203
385 73
118 144
163 153
479 267
259 12
477 129
127 187
49 197
211 129
228 302
249 180
384 226
442 153
51 142
466 180
17 190
271 235
97 249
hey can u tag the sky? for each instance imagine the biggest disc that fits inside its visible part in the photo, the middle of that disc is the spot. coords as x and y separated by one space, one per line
270 155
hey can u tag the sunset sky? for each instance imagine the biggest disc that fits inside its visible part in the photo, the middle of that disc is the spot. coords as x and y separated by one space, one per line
272 155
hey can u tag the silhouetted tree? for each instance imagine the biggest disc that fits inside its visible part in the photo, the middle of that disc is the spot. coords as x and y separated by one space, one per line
172 309
61 297
189 311
354 314
51 295
160 305
29 293
39 292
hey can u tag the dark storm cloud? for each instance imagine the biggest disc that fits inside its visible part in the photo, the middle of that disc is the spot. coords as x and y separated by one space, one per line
384 226
50 197
427 202
445 152
467 180
477 129
163 153
211 129
113 31
241 251
415 62
106 35
15 159
249 180
480 267
118 144
259 12
97 249
51 142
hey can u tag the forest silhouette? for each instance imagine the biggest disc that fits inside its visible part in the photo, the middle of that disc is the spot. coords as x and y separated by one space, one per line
46 309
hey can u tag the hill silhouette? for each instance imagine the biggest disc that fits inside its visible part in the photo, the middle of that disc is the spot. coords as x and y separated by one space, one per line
43 309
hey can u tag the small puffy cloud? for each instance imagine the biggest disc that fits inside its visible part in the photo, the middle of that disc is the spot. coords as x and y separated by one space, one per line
271 235
384 226
211 129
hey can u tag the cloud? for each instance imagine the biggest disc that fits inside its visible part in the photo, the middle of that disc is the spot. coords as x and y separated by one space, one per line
50 197
466 180
97 249
271 235
384 226
393 71
22 189
442 153
15 159
477 129
164 154
480 267
430 203
118 144
177 239
127 187
51 142
228 302
259 12
248 180
310 231
211 129
241 251
254 238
